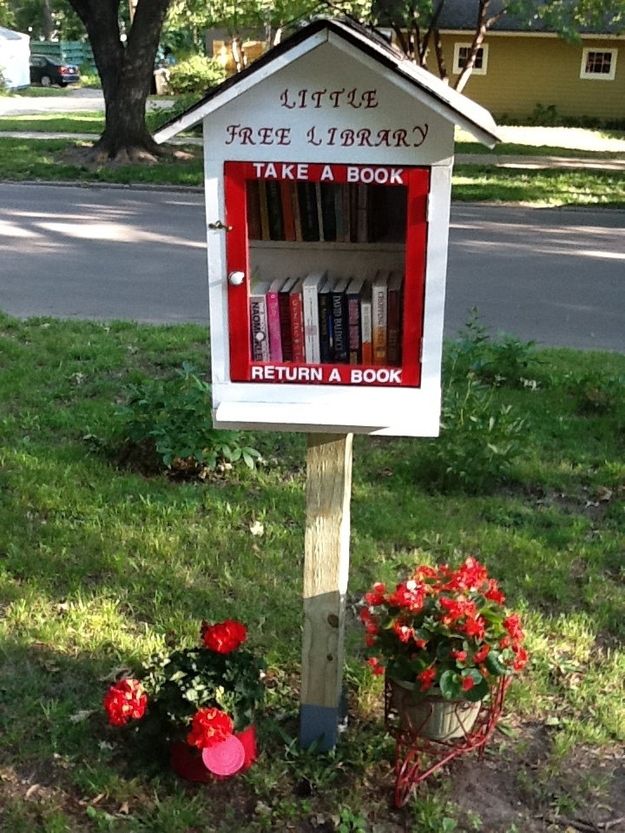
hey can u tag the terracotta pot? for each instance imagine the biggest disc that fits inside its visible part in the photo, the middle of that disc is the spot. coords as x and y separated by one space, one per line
431 715
186 761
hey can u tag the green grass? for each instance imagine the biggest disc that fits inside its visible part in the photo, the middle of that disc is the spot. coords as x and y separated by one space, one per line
99 566
83 122
513 149
543 187
41 92
23 159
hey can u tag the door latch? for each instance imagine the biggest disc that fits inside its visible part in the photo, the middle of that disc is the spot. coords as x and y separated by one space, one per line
219 226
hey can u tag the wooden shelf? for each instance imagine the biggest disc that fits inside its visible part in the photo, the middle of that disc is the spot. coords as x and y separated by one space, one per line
330 245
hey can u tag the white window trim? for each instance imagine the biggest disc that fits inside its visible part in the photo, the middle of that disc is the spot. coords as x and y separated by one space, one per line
457 69
598 76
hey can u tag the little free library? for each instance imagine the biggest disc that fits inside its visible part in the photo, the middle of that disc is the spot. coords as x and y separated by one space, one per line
328 175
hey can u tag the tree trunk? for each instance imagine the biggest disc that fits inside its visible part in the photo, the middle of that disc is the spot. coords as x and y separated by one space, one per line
48 21
126 71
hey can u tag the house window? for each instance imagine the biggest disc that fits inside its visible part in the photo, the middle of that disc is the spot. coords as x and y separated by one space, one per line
599 64
462 53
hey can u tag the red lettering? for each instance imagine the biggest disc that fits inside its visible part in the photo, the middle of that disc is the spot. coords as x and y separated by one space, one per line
335 95
347 138
364 137
370 98
400 138
265 135
421 133
283 135
284 100
312 139
316 97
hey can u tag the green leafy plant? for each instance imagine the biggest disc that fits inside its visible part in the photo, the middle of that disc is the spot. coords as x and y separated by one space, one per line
168 421
351 822
596 393
443 628
195 75
479 441
504 361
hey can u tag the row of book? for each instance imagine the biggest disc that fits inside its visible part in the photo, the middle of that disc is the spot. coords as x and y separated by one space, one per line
319 319
325 211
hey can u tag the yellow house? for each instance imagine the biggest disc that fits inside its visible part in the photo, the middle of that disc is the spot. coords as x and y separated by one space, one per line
518 71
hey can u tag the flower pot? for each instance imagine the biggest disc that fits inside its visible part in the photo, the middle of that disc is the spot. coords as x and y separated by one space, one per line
431 715
186 761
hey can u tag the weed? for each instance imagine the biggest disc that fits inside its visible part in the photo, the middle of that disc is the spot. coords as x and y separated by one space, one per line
432 814
351 822
479 442
169 420
596 393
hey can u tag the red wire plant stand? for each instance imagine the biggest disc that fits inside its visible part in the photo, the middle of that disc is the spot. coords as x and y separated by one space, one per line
419 755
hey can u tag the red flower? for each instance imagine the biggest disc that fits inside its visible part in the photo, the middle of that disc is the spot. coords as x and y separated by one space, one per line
480 655
426 678
467 683
459 656
475 627
375 666
402 632
209 727
409 594
520 660
493 593
125 701
376 595
513 625
224 637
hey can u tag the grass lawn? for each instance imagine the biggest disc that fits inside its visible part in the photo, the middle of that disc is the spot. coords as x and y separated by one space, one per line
99 566
22 159
83 122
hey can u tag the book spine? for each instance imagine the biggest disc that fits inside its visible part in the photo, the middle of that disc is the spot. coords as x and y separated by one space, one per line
341 335
286 335
274 207
328 210
310 306
319 209
264 210
379 313
297 216
254 231
258 319
355 338
286 195
308 211
297 326
393 343
366 331
326 346
362 219
273 326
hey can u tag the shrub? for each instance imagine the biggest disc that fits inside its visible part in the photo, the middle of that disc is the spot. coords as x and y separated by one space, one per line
503 361
157 118
478 444
167 423
195 75
596 394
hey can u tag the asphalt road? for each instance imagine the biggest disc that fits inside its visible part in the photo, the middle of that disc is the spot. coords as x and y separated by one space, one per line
554 275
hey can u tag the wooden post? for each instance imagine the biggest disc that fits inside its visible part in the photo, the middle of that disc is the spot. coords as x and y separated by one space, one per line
326 567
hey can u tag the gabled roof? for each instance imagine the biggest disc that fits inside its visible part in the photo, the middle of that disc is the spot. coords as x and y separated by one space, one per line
451 105
9 34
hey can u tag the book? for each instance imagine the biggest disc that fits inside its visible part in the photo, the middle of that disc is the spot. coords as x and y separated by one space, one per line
353 295
253 210
274 209
326 324
362 213
340 321
394 319
284 306
339 213
328 210
297 322
259 339
310 303
288 218
297 217
273 320
366 329
345 210
308 210
319 210
379 312
264 210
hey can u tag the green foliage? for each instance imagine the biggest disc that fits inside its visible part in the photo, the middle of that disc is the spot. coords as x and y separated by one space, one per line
90 77
170 420
158 117
479 441
351 822
596 393
195 75
182 682
502 361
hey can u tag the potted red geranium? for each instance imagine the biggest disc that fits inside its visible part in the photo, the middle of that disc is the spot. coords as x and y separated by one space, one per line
201 702
443 638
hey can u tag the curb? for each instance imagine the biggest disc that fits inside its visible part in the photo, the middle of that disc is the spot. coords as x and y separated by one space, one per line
115 186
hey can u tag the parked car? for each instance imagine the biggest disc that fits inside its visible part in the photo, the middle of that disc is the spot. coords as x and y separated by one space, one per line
46 72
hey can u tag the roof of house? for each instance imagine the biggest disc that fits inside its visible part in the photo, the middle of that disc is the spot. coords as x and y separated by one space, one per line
462 15
9 34
450 104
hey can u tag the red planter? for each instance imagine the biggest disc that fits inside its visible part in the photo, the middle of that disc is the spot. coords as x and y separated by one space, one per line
186 761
